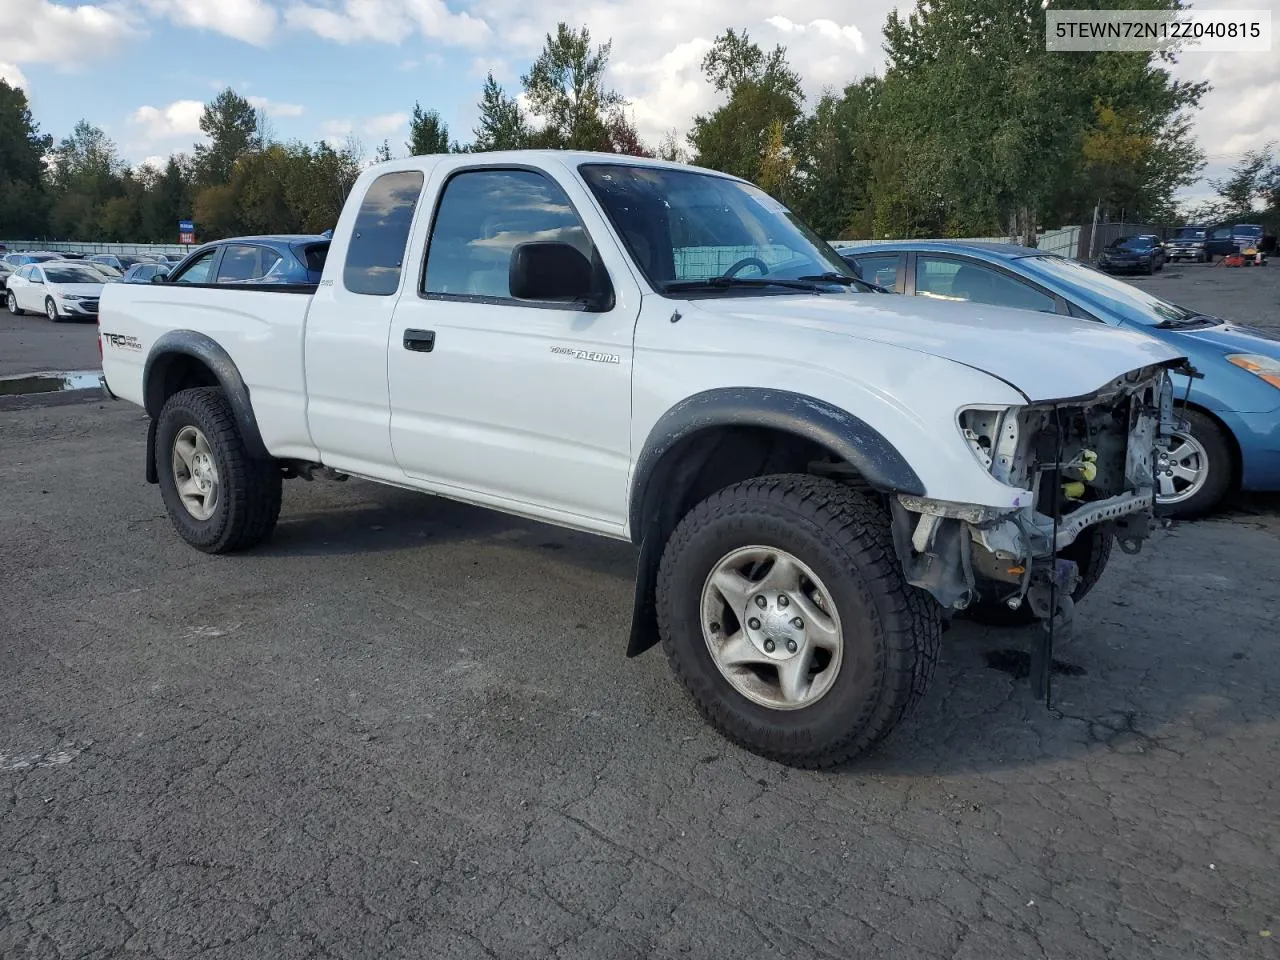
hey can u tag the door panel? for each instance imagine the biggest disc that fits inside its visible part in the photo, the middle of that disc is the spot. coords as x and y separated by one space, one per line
514 400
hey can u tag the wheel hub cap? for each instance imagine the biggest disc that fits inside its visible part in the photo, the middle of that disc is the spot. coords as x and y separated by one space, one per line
1181 471
195 474
771 628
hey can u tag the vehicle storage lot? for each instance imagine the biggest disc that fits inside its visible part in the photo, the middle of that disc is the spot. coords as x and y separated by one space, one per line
406 728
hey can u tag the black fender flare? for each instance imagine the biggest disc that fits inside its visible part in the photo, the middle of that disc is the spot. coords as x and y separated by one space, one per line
198 346
847 436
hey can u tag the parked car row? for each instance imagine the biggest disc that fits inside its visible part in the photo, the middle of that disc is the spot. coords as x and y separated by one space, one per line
66 289
1231 436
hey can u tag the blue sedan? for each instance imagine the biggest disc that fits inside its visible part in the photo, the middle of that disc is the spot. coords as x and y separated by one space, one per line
1232 413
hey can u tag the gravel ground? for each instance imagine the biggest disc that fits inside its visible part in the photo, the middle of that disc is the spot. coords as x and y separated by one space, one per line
406 728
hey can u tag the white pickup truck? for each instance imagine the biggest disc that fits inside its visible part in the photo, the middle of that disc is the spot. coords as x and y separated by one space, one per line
817 474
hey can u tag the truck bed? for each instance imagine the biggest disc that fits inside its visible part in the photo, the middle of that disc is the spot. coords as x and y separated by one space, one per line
259 326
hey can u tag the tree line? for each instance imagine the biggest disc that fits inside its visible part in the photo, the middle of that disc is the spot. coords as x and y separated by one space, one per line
971 129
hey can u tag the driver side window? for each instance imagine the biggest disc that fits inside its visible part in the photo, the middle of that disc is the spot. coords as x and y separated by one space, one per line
199 271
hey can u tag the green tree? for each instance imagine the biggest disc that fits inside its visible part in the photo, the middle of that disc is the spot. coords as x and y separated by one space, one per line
1250 180
383 153
566 91
993 130
502 124
833 149
232 126
22 149
762 92
167 201
427 133
85 174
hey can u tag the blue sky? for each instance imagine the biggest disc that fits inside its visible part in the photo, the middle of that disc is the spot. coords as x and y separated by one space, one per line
141 69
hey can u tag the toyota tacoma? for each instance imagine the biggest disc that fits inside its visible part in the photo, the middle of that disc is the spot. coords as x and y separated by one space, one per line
816 475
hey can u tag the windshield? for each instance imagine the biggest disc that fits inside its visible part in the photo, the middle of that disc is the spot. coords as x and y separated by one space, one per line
682 227
1130 243
72 274
1108 291
1191 233
106 268
1248 230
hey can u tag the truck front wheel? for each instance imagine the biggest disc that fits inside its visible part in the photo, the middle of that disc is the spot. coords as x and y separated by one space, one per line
218 498
783 610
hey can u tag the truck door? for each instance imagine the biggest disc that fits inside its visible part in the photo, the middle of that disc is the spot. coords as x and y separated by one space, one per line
520 404
348 410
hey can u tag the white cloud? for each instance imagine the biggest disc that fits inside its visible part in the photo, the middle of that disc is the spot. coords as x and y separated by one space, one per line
156 161
253 21
658 46
10 73
385 125
39 31
828 29
336 132
277 109
179 119
387 21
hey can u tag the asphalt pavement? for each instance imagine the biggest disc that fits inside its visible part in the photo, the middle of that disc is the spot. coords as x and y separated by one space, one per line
406 728
32 344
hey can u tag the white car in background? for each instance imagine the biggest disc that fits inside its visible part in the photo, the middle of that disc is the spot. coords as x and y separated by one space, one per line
60 289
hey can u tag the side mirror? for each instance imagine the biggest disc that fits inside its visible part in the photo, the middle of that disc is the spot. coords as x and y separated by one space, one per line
553 271
158 277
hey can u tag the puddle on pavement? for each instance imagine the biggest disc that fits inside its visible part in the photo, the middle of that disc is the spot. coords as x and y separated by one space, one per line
1017 663
50 382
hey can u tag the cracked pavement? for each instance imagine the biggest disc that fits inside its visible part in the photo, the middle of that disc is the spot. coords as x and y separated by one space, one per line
406 728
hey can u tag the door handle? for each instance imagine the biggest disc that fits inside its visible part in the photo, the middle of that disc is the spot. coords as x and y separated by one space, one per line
420 341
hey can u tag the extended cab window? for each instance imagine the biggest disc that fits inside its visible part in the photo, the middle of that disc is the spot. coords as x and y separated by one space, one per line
245 263
946 279
483 214
199 270
375 254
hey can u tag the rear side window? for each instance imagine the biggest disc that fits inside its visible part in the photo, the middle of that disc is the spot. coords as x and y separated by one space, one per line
244 263
313 255
375 254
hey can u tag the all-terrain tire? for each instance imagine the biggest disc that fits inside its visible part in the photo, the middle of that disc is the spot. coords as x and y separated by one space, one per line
1091 551
890 630
250 488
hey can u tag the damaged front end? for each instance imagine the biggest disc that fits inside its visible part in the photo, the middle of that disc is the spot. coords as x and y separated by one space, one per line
1076 463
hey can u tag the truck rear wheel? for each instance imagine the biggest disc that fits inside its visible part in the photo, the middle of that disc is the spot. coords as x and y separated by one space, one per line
783 610
218 498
